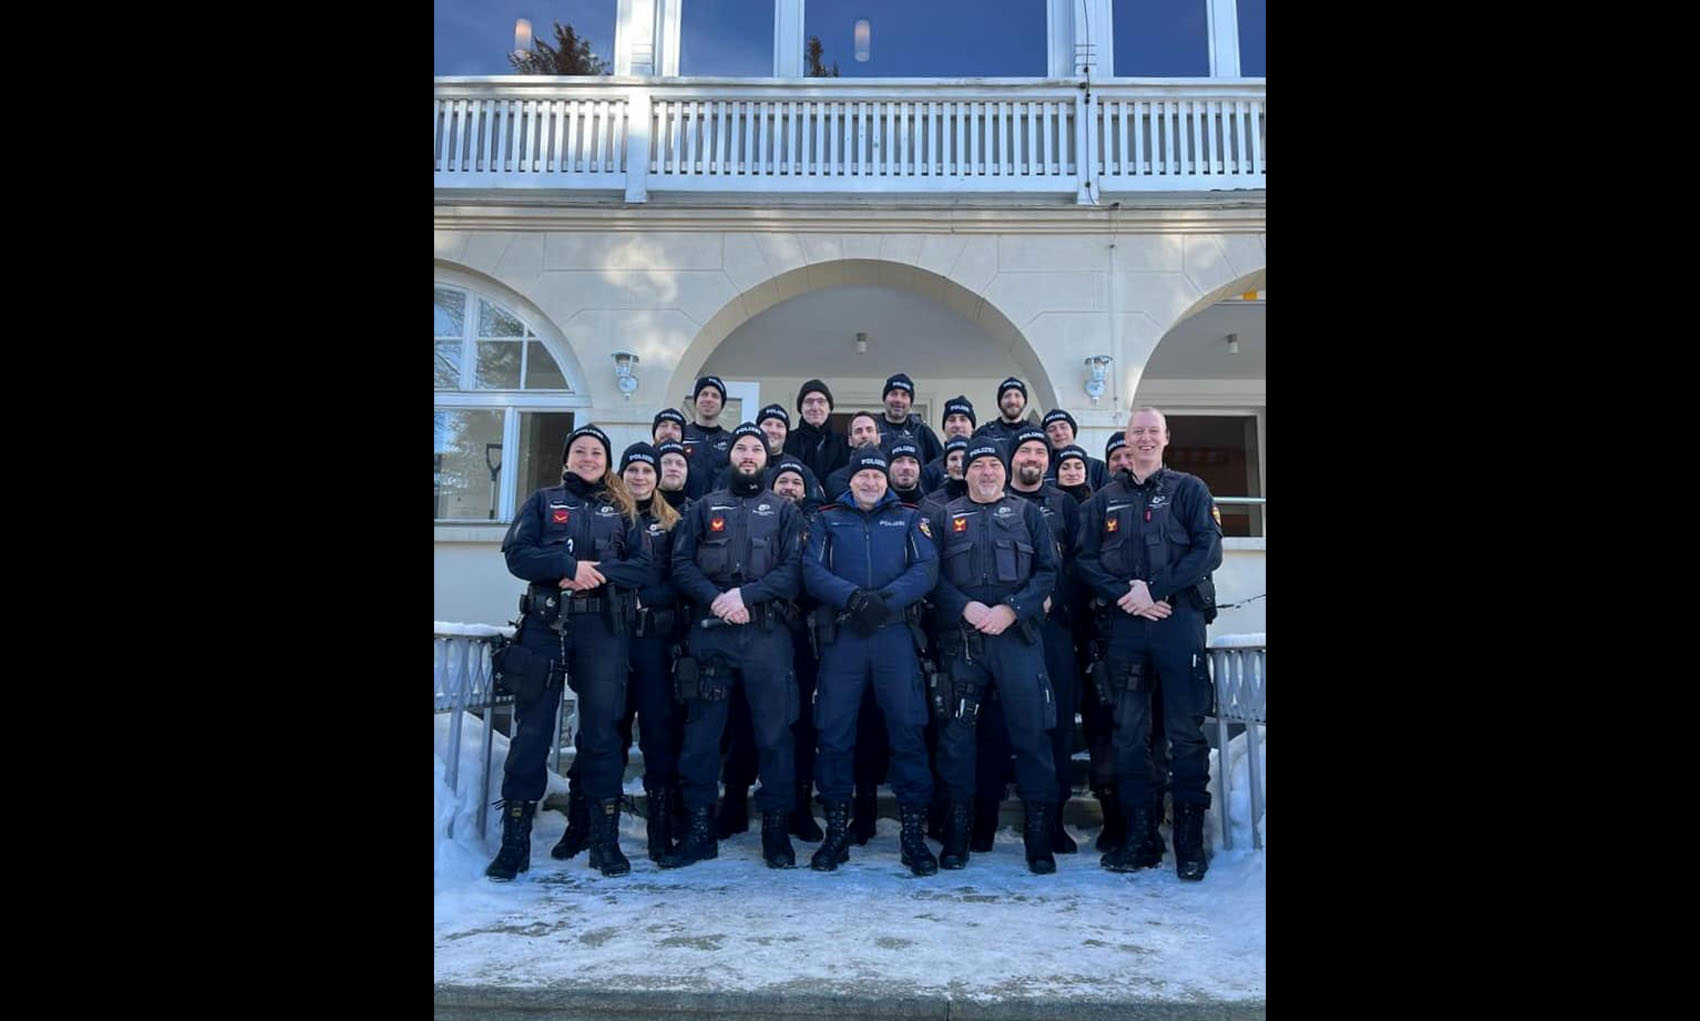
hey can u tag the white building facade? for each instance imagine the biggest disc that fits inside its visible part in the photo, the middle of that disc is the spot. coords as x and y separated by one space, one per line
602 242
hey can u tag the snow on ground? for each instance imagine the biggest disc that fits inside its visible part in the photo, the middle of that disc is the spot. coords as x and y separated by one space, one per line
990 931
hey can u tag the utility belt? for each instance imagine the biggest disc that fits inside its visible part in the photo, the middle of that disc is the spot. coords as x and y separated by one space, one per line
955 693
1200 597
654 620
556 607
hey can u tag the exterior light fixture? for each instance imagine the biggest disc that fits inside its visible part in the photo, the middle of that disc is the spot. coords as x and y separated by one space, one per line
1233 343
861 343
624 361
864 35
522 37
1098 366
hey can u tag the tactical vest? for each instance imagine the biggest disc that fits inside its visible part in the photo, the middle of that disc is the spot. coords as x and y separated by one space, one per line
1141 534
987 544
591 528
740 537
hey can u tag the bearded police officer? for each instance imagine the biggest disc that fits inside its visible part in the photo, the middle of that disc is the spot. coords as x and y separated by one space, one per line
899 423
870 562
1061 430
582 549
998 562
737 561
1148 542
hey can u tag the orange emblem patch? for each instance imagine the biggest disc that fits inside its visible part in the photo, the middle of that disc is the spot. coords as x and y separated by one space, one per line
959 524
1112 525
717 525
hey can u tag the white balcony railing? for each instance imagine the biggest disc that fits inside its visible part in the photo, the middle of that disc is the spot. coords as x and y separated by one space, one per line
895 136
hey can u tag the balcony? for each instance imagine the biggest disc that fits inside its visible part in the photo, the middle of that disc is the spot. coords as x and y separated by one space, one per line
837 136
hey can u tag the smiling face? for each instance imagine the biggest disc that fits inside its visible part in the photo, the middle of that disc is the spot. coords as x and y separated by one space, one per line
1029 461
749 457
957 424
708 403
789 485
674 469
905 472
1012 404
665 430
1147 437
774 429
1121 459
863 431
815 408
985 479
896 404
1060 432
1072 472
868 486
953 464
640 479
586 459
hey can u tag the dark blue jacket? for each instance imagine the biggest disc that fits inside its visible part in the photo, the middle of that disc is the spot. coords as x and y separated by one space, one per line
659 591
728 540
564 524
993 553
1062 513
886 549
911 428
1097 472
708 450
1163 530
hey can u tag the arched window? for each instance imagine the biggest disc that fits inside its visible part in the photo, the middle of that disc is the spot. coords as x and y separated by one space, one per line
501 410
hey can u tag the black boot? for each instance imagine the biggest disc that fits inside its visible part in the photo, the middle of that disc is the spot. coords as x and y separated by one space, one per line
658 820
1190 859
698 843
938 813
605 854
1036 834
954 853
1061 842
985 829
802 822
1114 833
515 855
577 837
1153 837
913 841
864 818
734 814
1134 853
835 848
775 843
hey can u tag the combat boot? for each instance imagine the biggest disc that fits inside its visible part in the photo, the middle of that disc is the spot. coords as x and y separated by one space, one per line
605 854
577 837
1134 853
954 853
1114 833
985 829
1036 835
734 814
515 854
698 843
1061 842
775 842
864 818
913 841
658 820
802 822
1190 859
835 848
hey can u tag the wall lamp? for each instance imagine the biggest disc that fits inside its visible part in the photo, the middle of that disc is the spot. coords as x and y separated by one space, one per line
624 362
1099 367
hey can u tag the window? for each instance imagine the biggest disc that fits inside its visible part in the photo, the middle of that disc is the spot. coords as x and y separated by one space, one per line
1252 45
474 37
935 39
1161 39
1223 451
500 418
731 38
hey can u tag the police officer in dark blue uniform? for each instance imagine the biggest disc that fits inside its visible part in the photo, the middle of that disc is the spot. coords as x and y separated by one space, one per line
1012 406
958 422
1061 430
668 424
657 635
1027 480
955 481
775 423
1148 542
704 438
789 478
899 423
998 562
864 429
737 559
1072 472
870 562
580 546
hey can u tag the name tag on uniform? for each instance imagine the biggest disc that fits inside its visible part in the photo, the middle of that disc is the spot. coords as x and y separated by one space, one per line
717 525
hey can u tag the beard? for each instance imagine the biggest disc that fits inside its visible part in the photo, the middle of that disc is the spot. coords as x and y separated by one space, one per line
750 476
1029 475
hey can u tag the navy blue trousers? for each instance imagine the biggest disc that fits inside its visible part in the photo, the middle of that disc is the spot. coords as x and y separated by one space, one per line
1177 670
1018 671
761 665
885 663
660 719
596 668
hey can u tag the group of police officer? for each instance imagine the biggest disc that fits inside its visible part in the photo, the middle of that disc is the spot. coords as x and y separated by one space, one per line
941 609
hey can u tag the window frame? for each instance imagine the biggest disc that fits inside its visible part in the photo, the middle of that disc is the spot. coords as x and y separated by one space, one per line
511 402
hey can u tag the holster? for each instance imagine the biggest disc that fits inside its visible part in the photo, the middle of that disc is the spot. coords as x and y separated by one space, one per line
702 680
543 602
516 670
966 691
823 627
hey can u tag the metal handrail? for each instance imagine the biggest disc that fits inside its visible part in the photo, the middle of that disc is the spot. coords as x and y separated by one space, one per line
1238 665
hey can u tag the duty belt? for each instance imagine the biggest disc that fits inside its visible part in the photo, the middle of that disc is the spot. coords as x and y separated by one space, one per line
545 603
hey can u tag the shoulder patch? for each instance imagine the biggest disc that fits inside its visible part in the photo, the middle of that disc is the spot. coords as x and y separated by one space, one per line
926 529
1216 513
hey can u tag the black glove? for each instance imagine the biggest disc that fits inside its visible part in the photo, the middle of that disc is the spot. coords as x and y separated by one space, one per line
869 610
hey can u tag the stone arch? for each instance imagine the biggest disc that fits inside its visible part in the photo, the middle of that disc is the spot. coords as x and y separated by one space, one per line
972 305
